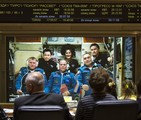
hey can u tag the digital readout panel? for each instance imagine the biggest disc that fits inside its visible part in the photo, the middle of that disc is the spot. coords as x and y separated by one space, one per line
70 13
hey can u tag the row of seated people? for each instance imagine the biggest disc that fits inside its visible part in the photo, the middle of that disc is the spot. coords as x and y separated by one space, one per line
98 81
58 78
47 65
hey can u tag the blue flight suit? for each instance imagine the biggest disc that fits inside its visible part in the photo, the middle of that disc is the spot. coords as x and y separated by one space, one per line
20 80
83 76
57 79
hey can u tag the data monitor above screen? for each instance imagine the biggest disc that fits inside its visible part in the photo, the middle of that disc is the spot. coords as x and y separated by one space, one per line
126 12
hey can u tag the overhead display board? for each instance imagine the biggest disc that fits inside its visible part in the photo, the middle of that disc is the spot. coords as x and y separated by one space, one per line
70 12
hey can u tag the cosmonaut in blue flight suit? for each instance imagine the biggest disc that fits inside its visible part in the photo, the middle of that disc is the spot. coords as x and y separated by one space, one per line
62 81
84 72
32 64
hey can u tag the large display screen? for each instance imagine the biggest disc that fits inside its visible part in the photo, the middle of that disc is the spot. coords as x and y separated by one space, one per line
70 12
119 52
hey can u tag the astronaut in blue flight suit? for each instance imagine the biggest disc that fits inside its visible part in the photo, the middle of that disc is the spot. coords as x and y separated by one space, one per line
62 81
84 72
32 64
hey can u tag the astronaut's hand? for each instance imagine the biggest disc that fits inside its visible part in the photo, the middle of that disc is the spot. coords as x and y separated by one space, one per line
110 59
19 92
66 93
85 87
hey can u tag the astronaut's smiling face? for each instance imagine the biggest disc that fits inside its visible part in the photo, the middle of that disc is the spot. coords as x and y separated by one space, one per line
68 54
87 59
47 56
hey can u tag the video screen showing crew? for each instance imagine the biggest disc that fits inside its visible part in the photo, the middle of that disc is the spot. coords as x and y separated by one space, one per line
66 64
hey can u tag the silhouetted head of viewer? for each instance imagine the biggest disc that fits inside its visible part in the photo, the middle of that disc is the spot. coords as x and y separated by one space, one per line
111 87
99 80
34 82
